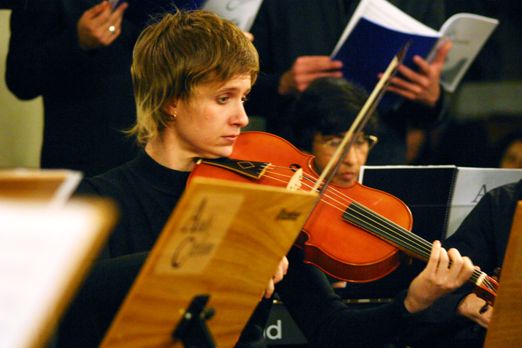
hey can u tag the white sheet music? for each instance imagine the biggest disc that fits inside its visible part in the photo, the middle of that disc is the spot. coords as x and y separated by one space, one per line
471 184
40 250
241 12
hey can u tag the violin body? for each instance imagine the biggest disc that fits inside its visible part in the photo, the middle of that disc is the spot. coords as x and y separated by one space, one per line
347 252
336 246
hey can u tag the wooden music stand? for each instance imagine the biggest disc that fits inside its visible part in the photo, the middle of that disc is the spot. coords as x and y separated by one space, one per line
505 329
210 265
54 186
47 251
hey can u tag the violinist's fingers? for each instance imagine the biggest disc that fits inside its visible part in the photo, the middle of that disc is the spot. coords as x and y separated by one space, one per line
281 270
460 269
467 269
285 264
455 268
433 261
270 288
444 261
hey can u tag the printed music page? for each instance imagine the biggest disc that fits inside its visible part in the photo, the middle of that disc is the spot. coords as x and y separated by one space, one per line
44 253
470 185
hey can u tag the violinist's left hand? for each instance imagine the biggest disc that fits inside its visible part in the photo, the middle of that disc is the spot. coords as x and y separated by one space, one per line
280 272
423 86
446 271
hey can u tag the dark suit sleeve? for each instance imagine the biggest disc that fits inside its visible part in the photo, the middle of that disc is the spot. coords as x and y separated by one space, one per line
268 80
37 48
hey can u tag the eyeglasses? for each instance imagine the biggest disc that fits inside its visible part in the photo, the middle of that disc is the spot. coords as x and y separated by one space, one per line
361 142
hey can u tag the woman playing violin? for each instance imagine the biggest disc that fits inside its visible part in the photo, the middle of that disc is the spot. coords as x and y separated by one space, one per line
192 73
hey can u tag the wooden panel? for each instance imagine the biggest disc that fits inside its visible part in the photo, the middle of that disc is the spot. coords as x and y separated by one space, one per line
505 329
48 185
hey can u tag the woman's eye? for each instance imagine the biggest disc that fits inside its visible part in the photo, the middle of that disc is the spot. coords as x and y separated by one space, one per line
222 99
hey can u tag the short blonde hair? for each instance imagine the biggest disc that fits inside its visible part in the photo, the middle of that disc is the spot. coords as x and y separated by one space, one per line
178 53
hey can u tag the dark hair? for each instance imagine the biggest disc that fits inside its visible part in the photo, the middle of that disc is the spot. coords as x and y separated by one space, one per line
328 106
500 147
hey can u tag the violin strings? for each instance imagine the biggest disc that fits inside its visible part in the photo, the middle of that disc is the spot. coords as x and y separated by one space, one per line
387 228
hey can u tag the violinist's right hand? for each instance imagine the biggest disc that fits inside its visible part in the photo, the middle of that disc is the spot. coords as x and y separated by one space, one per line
440 277
282 269
306 69
476 309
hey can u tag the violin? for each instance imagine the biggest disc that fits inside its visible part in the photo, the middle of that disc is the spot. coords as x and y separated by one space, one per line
353 233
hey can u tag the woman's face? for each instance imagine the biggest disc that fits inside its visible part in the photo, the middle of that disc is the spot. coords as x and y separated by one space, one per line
323 148
209 122
512 157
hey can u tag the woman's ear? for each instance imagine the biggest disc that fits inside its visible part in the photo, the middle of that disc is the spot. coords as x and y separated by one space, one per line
170 109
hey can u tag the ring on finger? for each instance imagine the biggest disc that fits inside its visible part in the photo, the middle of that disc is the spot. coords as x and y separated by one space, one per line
112 29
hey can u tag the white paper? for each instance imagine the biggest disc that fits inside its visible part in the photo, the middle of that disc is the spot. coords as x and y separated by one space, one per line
40 250
470 185
241 12
468 33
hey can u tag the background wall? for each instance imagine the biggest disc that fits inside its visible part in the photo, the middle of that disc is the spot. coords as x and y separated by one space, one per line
20 121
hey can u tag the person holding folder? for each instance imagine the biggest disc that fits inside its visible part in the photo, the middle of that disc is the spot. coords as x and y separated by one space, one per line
295 40
192 73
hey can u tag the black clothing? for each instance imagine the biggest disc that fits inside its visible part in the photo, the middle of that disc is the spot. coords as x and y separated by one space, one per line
87 95
482 236
146 193
286 29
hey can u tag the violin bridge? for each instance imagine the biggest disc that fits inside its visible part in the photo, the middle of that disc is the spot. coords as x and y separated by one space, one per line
296 181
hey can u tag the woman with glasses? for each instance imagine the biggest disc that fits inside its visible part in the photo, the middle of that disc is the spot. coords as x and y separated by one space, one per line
323 113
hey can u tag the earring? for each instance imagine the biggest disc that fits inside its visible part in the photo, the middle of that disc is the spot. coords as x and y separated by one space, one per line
173 116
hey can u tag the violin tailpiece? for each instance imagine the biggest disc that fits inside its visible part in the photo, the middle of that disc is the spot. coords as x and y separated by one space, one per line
251 169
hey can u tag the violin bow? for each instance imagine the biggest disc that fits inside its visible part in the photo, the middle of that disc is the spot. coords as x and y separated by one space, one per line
360 121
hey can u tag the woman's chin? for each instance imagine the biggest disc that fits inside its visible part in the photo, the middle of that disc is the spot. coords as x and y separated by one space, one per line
222 151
